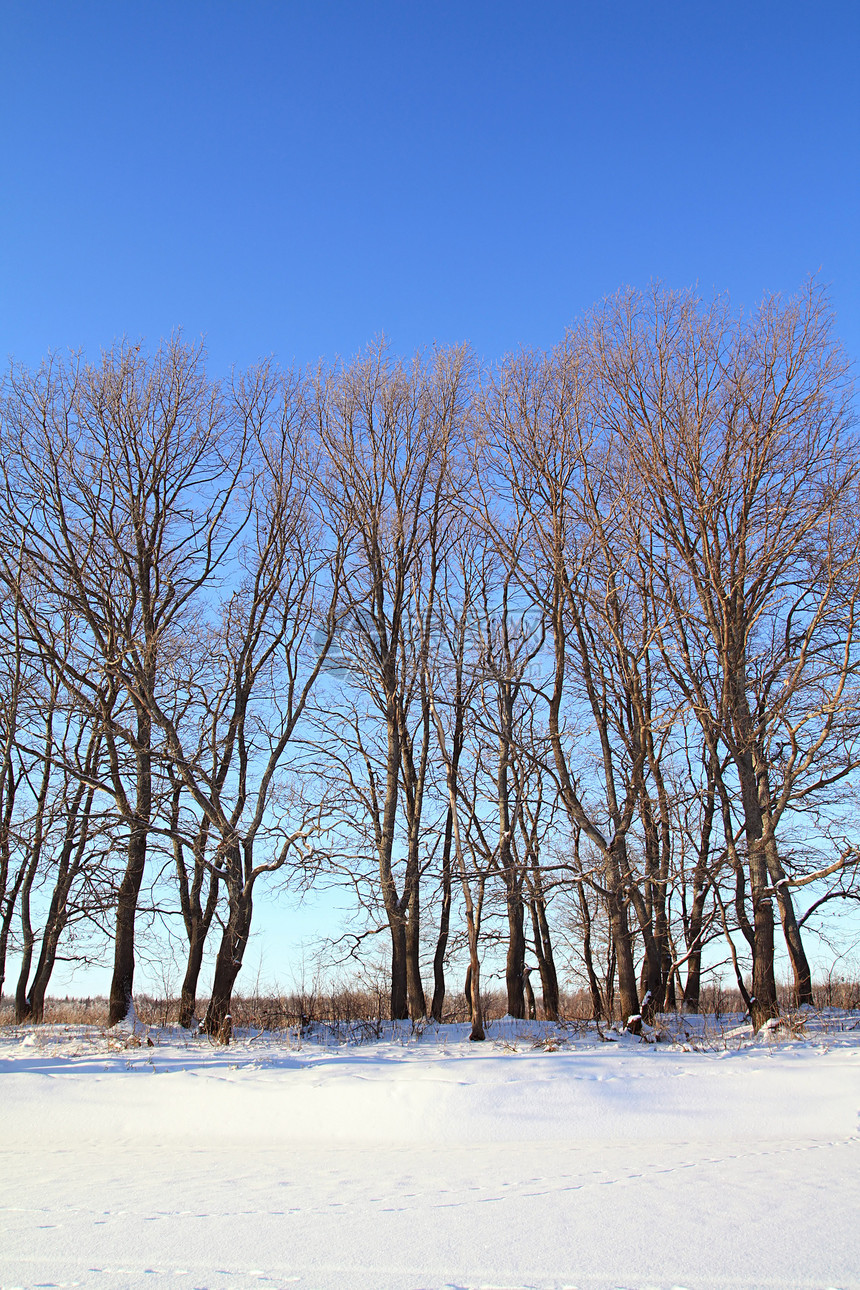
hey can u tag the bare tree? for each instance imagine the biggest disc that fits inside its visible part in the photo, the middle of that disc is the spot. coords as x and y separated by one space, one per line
392 436
572 556
472 908
118 481
70 850
15 690
739 433
253 673
192 878
583 642
52 835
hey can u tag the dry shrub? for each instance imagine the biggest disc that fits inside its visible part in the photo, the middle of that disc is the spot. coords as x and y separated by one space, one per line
346 1006
63 1012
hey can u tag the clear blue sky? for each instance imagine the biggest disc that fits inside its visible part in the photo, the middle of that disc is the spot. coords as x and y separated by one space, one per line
297 178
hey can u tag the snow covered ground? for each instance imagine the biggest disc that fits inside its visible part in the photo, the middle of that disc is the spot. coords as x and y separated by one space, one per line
415 1163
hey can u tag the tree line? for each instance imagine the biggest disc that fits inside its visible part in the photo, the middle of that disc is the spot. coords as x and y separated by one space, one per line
557 650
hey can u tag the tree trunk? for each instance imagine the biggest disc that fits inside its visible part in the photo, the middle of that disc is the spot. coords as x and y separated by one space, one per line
546 961
444 927
8 914
693 983
622 939
763 998
234 941
516 951
196 917
476 1011
399 1008
701 887
471 917
71 859
54 927
799 962
41 980
788 918
28 939
593 985
652 983
414 987
44 968
188 994
611 964
122 982
647 907
531 1010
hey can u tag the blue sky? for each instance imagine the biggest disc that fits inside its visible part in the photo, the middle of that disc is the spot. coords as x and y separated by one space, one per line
296 179
299 178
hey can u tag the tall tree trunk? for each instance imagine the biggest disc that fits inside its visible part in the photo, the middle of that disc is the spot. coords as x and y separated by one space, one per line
645 905
544 955
693 983
194 962
218 1021
8 906
788 918
652 982
122 982
613 850
42 977
444 926
476 1009
701 887
414 987
54 928
474 980
72 857
196 916
45 967
623 941
763 998
385 843
531 1009
660 889
516 955
593 985
28 940
399 997
611 965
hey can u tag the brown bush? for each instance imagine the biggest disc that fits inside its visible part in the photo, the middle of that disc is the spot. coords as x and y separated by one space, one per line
347 1005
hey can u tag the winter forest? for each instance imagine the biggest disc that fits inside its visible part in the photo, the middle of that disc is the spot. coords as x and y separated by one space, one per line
559 649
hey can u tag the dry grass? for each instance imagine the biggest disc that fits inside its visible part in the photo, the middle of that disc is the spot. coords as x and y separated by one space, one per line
353 1007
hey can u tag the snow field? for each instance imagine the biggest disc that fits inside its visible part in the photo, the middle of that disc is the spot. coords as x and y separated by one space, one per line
429 1163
